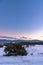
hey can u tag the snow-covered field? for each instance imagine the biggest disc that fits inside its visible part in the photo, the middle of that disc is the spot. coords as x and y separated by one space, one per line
34 57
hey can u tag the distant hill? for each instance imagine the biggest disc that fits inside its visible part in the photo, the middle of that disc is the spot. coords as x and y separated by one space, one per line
13 41
35 41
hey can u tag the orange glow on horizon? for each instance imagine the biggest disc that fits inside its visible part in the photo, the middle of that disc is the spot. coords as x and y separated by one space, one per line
37 36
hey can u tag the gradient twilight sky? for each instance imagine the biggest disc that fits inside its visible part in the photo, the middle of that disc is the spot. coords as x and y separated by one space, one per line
21 19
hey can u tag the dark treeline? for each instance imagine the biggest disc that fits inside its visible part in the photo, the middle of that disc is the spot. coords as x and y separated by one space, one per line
22 43
31 43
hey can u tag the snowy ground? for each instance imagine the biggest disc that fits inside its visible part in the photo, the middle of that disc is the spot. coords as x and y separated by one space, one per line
34 57
35 50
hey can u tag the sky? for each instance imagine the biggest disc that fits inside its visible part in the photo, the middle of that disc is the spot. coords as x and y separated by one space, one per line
21 19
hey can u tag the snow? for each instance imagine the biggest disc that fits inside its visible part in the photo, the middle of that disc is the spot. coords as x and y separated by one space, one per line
2 51
34 57
35 50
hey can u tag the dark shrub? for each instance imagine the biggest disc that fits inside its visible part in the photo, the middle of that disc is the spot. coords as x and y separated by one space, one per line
16 49
22 52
